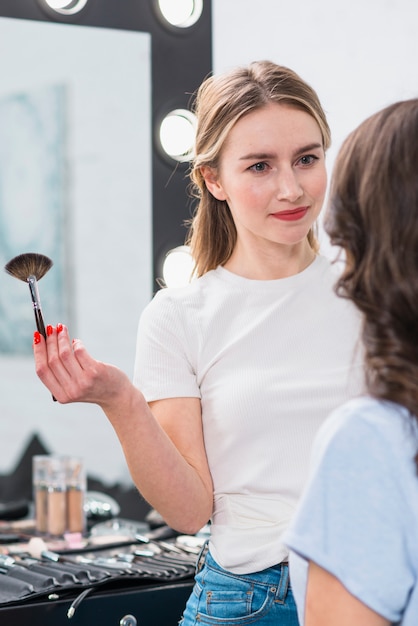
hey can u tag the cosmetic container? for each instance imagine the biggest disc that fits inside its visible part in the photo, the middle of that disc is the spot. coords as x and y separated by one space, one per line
76 489
59 487
40 465
57 497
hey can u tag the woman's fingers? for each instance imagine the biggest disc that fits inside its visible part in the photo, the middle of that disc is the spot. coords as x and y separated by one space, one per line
70 373
57 365
61 357
42 368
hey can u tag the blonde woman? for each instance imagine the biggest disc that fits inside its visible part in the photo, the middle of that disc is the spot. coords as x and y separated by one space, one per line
236 371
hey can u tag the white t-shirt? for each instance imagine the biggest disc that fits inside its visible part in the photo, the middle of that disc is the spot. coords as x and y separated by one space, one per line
358 518
269 360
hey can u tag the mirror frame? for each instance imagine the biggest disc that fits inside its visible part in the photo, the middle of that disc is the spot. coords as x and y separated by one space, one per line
181 58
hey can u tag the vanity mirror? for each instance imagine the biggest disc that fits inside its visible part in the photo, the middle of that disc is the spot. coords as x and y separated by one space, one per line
84 88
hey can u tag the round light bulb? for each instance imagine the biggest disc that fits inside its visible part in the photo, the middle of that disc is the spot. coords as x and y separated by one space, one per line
177 134
178 267
181 13
66 7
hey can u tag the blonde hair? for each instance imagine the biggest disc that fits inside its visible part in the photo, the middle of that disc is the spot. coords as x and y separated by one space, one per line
220 102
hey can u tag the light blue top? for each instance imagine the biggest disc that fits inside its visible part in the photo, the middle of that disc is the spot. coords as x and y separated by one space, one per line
358 517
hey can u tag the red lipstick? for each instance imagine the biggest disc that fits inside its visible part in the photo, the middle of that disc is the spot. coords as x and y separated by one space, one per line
291 216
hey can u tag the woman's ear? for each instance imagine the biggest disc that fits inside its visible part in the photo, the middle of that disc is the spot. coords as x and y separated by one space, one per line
211 178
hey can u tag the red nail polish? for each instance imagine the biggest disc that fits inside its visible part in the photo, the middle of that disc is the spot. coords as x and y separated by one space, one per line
49 330
36 337
59 328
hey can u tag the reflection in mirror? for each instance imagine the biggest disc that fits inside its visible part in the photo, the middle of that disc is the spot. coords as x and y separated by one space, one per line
75 179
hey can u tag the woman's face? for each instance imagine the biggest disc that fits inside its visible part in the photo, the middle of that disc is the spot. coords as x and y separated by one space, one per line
272 175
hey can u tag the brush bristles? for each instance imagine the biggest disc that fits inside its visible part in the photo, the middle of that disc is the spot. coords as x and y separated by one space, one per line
28 264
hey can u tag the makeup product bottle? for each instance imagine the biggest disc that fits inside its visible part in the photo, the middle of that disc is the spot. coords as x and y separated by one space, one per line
40 465
76 489
57 496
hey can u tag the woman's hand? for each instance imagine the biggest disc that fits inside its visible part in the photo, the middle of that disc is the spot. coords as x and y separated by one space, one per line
163 447
71 374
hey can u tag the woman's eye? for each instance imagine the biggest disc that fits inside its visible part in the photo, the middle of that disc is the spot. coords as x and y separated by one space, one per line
308 159
259 167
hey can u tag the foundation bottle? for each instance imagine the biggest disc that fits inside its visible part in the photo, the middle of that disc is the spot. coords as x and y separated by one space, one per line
57 497
76 488
40 491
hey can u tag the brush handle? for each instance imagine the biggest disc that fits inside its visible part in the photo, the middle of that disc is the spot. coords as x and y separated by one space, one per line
34 293
36 301
40 322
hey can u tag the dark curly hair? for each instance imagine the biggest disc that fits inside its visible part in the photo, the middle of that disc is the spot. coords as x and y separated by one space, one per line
373 216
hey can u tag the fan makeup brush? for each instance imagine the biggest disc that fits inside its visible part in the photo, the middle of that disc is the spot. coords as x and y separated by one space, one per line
30 267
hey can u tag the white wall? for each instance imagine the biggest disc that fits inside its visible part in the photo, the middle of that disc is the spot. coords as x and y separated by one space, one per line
359 55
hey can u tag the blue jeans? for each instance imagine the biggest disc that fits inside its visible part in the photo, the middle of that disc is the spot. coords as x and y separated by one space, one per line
221 598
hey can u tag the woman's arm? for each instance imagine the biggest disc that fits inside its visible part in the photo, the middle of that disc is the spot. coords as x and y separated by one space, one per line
328 603
164 447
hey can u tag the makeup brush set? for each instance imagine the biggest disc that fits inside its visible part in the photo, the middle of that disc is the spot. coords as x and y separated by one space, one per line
119 560
40 575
